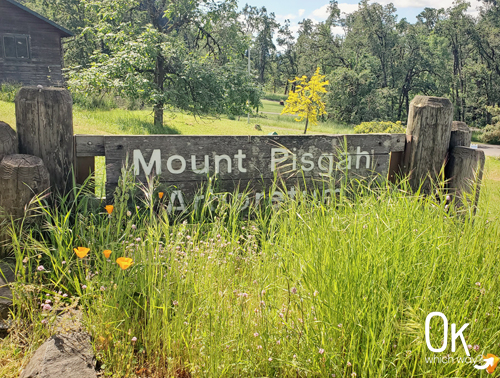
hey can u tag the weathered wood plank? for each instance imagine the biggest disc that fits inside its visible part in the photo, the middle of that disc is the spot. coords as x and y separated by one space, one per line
461 135
8 140
89 145
185 158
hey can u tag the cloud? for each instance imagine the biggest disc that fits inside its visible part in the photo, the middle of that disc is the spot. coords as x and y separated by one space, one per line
289 16
321 13
301 12
400 4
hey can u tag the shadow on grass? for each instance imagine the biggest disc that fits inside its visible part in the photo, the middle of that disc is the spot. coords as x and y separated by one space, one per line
136 125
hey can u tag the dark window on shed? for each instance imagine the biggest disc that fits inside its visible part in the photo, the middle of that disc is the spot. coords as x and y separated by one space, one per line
16 46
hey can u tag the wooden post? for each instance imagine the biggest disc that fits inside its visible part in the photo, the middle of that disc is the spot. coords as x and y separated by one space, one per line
428 139
8 140
44 118
464 171
21 177
461 135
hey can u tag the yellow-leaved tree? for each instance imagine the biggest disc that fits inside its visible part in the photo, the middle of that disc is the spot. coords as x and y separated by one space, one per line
306 101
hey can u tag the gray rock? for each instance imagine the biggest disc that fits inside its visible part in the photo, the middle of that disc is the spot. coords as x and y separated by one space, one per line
6 276
63 356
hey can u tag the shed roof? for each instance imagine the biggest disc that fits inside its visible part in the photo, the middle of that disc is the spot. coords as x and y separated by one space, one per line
64 32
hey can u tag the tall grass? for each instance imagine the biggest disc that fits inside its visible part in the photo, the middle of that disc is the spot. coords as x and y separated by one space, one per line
303 288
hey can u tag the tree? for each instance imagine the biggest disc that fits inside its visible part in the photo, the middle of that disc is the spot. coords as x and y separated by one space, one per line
175 54
306 101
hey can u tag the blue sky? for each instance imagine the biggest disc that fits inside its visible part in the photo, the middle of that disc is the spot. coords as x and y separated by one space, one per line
297 10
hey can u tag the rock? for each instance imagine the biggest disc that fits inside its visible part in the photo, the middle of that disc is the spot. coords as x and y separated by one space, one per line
63 356
6 276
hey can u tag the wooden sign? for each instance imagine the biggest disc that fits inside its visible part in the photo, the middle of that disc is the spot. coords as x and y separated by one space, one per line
185 163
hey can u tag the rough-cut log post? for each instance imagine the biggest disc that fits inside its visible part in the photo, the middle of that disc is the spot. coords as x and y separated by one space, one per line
461 135
21 178
464 172
428 135
45 129
8 140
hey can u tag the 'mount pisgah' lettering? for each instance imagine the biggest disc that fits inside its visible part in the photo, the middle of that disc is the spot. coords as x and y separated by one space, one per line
183 163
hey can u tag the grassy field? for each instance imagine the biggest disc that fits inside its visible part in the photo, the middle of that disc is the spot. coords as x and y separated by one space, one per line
304 289
120 121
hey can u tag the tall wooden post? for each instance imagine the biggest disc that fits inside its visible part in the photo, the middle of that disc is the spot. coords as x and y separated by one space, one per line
428 139
44 118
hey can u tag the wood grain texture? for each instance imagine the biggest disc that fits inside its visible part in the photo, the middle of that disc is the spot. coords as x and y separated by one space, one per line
8 140
464 171
21 177
45 129
461 135
240 160
429 126
89 145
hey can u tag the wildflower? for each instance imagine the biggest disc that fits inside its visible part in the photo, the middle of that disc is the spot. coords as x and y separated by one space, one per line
294 290
63 262
129 213
48 301
84 287
469 346
270 359
134 339
44 321
102 288
40 268
138 239
321 351
278 342
294 356
256 334
259 346
160 194
244 295
476 348
107 253
25 260
478 283
175 303
133 227
109 208
47 307
124 262
354 374
316 293
340 325
81 252
349 364
65 295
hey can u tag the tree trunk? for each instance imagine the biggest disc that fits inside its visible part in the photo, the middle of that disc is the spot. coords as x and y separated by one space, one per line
158 107
307 122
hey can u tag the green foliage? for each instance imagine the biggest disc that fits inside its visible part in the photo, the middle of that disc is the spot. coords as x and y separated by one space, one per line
93 102
8 91
277 293
379 127
491 133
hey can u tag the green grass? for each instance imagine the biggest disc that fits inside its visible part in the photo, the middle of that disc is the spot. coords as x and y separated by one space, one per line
306 289
121 121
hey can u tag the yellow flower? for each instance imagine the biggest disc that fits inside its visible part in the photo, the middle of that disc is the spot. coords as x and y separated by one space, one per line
109 208
124 262
160 194
107 253
81 252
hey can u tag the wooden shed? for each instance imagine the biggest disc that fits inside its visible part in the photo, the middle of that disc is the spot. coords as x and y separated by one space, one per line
30 47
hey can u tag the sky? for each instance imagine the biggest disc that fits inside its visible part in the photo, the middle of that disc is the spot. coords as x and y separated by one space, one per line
316 10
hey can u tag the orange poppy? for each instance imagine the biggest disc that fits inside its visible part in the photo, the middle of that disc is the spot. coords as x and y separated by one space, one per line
160 194
109 208
81 252
124 262
107 253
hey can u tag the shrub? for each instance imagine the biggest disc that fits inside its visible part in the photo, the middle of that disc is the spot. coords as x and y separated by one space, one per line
379 127
491 133
8 91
